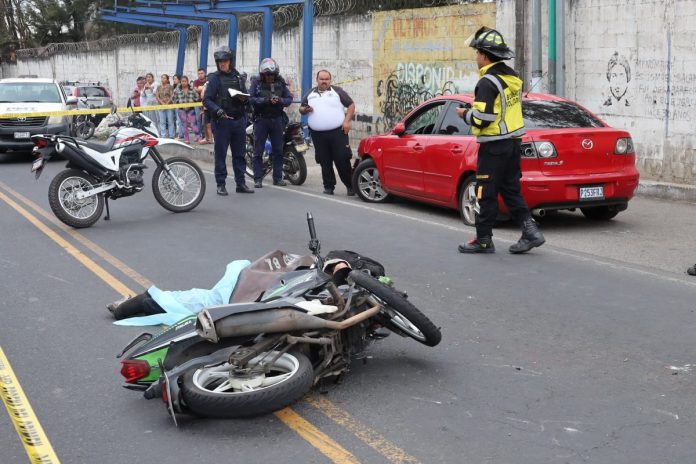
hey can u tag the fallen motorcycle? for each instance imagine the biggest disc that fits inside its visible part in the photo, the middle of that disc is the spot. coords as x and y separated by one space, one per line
292 321
294 147
98 172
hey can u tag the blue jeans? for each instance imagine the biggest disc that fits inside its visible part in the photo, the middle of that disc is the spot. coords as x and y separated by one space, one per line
179 125
167 128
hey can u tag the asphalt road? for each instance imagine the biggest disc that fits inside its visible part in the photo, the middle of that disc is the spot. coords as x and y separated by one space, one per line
580 351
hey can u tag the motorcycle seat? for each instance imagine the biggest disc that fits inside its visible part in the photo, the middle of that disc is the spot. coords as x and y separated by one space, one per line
101 148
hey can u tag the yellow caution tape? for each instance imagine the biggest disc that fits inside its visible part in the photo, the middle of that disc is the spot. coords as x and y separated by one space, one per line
137 109
31 433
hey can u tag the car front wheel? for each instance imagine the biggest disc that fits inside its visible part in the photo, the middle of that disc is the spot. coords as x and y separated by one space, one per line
468 203
367 184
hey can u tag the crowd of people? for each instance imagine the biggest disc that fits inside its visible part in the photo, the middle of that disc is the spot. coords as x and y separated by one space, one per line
182 123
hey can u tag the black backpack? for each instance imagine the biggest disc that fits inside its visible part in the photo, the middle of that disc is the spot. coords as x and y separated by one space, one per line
358 262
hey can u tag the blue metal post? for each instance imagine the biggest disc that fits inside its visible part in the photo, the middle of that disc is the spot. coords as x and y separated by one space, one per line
205 34
181 53
266 34
234 28
307 38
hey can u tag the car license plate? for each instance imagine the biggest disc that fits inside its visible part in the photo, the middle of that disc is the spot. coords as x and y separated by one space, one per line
592 192
21 135
38 163
302 147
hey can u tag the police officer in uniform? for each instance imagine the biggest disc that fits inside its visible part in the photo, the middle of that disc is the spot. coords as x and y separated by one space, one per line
269 94
228 119
496 120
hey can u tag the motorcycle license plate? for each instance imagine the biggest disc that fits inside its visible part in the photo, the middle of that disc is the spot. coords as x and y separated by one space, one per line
21 135
592 192
37 164
301 147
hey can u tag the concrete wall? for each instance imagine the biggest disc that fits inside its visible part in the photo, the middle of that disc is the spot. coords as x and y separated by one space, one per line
630 61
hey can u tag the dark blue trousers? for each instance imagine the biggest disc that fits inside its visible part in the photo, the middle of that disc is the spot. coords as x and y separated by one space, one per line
269 128
230 133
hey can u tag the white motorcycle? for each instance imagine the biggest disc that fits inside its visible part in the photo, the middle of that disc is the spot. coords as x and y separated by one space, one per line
98 172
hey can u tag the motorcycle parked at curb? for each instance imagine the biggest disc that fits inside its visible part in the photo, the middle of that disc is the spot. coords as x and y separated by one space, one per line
98 172
294 147
260 354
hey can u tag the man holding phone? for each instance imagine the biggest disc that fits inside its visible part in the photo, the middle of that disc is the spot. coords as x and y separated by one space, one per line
330 111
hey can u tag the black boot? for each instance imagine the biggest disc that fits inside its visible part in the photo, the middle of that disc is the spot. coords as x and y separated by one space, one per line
531 237
478 245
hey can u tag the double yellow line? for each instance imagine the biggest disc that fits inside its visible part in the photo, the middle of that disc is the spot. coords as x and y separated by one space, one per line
28 421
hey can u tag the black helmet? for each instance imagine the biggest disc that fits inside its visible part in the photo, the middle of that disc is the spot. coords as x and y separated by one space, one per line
269 66
224 53
491 41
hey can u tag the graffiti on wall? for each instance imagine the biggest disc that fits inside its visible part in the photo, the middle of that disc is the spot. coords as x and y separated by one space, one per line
664 93
423 53
618 76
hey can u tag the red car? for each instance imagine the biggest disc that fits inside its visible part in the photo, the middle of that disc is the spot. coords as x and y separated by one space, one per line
570 159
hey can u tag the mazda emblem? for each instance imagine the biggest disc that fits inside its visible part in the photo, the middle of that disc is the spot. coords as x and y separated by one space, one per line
587 144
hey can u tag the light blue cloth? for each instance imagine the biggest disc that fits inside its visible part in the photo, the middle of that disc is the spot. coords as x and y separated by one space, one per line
181 304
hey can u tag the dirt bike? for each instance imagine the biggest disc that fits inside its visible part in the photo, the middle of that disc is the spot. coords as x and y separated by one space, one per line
292 322
84 125
98 172
294 147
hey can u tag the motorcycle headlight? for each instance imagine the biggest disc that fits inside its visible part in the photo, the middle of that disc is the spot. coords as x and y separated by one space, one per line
55 119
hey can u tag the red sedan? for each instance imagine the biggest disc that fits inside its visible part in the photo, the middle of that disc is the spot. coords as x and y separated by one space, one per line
570 159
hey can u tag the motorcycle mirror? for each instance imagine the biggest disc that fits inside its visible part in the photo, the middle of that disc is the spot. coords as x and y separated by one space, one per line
314 244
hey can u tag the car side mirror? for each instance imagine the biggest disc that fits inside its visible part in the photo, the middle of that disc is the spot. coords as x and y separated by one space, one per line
71 101
399 129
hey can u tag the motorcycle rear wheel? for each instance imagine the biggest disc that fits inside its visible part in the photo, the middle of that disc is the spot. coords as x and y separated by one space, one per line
168 194
221 392
401 316
78 213
294 166
85 130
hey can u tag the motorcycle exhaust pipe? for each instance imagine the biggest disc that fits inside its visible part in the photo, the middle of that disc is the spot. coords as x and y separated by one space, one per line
276 321
79 160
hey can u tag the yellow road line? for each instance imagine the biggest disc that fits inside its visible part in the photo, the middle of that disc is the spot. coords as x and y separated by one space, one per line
28 428
77 254
368 436
315 437
96 249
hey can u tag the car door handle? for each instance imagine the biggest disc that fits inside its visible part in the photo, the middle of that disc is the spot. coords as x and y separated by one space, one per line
457 149
418 147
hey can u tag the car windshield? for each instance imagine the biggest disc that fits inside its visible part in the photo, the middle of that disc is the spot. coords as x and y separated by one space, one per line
24 92
540 114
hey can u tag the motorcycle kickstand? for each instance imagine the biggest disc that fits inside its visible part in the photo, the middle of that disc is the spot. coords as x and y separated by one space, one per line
108 214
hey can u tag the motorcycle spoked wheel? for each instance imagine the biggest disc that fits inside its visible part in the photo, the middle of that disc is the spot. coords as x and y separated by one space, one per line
85 130
401 316
168 194
224 391
294 166
78 213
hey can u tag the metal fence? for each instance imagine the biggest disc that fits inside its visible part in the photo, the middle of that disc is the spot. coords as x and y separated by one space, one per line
283 16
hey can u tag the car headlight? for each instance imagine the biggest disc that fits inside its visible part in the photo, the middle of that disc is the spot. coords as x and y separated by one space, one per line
55 119
546 150
623 146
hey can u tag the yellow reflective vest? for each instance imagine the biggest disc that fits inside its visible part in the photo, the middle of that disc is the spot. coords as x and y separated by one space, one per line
497 110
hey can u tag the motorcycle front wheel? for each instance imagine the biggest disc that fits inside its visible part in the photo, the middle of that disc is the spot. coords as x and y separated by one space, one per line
266 385
294 166
399 314
73 211
168 193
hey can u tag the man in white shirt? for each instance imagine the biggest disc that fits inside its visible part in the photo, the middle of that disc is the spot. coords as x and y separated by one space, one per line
330 111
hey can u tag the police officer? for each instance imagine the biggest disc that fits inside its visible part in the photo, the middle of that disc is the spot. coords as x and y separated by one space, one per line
228 119
496 120
269 94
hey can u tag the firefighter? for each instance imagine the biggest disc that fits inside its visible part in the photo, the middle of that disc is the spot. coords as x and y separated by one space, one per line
496 120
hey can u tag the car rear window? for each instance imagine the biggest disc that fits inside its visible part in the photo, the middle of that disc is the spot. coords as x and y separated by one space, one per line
21 92
539 114
91 92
